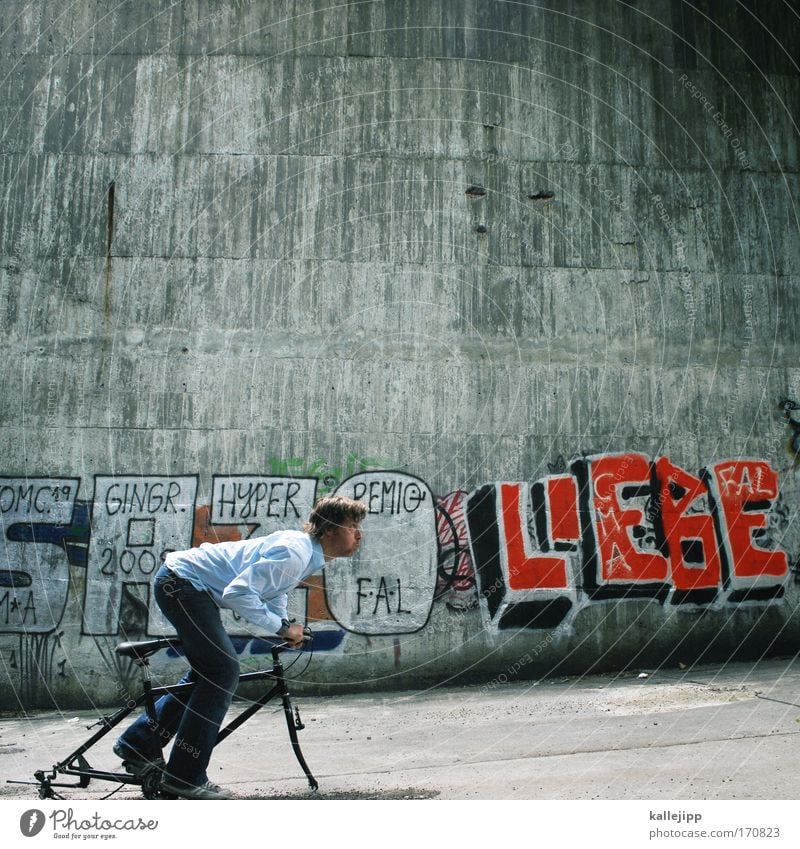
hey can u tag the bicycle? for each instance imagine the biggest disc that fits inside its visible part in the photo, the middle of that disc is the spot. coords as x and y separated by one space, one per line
149 778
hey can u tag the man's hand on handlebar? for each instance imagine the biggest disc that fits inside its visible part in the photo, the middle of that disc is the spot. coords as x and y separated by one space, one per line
295 634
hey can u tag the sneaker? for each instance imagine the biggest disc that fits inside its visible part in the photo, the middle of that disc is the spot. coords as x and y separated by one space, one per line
208 790
133 762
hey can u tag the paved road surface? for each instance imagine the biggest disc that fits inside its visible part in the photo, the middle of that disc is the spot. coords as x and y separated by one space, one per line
711 732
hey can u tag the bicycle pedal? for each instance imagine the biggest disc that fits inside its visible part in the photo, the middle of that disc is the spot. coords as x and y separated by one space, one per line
133 767
141 767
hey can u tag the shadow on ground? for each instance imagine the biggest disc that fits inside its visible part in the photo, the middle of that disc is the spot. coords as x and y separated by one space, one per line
406 793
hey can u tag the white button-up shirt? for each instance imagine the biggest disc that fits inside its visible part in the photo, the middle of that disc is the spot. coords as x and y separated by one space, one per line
253 576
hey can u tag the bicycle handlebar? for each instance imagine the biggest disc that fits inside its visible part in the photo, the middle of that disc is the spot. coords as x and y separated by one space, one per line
308 636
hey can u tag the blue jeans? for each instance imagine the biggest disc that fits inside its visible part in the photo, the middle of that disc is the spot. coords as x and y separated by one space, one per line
193 721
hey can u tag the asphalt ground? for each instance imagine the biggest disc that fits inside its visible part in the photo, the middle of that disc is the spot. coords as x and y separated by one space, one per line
726 732
662 742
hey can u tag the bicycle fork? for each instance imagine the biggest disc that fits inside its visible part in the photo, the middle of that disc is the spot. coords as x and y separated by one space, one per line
293 722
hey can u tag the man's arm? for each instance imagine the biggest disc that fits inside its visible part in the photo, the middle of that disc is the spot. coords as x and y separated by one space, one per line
255 594
292 632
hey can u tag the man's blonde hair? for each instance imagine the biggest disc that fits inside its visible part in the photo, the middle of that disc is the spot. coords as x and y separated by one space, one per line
333 511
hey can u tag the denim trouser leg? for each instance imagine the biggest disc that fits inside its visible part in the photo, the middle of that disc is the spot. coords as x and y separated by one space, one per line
215 671
145 739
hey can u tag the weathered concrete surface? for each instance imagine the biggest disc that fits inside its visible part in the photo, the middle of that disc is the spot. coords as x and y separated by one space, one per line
236 239
728 732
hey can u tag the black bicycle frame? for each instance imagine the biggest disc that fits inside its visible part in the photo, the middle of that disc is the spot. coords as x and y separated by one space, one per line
76 764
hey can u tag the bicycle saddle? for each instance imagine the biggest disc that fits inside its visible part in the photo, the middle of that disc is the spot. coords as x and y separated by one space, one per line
144 648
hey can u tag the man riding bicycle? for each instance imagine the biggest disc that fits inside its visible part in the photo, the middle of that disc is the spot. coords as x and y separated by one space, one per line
252 577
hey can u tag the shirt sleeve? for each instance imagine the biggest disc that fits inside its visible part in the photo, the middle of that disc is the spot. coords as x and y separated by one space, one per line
279 606
258 594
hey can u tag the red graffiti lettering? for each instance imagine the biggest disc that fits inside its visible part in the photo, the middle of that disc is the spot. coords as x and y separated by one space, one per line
616 481
562 498
691 539
526 572
746 491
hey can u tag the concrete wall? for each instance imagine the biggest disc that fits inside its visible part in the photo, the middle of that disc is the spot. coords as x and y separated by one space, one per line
240 266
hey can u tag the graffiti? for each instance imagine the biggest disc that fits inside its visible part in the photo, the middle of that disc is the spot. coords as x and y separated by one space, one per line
525 570
36 653
555 514
206 531
526 554
382 595
519 584
689 533
36 522
624 542
743 493
456 580
258 499
384 496
136 521
623 527
328 476
791 412
388 587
